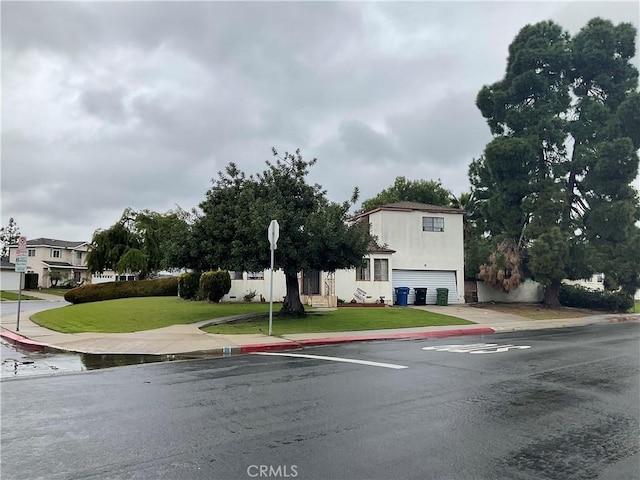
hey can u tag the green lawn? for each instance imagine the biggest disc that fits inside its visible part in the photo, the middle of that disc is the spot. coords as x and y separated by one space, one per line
55 291
341 320
135 314
14 296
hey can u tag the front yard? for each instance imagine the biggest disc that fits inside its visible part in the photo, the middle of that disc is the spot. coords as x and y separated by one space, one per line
137 314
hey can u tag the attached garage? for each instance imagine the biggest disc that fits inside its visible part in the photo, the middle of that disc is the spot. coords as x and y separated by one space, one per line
9 279
429 279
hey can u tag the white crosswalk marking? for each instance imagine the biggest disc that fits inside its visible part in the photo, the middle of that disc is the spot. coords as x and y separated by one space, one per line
477 348
335 359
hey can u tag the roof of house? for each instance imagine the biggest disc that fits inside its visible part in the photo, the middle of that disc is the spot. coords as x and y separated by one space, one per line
375 248
50 242
6 264
412 207
49 263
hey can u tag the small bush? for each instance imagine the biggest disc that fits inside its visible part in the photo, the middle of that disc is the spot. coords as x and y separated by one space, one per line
189 285
159 287
214 285
249 296
581 297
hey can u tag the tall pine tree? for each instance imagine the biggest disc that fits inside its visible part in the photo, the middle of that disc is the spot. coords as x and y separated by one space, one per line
556 179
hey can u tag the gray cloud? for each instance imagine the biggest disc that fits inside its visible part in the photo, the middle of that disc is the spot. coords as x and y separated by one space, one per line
108 105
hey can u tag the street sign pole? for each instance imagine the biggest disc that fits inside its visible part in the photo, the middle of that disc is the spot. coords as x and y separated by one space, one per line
21 267
271 295
19 301
272 234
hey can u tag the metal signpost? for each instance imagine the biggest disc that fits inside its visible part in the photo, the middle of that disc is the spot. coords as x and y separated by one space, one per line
21 267
272 234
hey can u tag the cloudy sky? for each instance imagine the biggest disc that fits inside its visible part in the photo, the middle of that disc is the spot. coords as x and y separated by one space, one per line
108 105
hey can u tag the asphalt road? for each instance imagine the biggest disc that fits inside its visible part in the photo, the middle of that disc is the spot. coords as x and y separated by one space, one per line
566 407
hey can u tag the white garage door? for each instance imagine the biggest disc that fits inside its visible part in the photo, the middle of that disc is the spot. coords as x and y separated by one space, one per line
9 280
429 279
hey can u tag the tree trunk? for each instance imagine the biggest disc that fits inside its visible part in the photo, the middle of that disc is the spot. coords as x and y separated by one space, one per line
551 296
292 306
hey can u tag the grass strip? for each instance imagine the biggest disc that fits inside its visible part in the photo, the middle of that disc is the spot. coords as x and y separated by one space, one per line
340 320
137 314
4 295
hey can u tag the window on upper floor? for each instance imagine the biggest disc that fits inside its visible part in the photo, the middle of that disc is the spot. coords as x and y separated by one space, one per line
55 253
31 252
363 273
432 224
235 275
380 270
255 275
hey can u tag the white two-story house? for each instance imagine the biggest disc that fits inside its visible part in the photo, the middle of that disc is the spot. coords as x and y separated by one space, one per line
46 255
417 246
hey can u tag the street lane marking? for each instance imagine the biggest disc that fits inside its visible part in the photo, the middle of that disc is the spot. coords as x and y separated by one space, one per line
334 359
477 348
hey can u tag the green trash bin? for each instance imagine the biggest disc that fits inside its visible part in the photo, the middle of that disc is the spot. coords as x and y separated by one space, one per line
442 296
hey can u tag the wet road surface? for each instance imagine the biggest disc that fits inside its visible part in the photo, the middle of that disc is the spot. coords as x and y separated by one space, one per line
484 407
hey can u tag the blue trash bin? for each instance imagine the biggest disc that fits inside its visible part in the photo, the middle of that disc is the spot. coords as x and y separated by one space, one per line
402 294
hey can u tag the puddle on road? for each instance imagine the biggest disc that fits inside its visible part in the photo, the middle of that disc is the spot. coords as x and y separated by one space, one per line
16 362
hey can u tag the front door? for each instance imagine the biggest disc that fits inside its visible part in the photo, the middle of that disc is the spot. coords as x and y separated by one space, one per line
311 282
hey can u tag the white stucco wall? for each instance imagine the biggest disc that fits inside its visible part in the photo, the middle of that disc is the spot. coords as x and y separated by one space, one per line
10 280
417 250
527 292
239 288
346 287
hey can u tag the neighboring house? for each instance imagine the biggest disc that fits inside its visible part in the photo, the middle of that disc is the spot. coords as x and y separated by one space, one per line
46 255
595 282
9 278
418 246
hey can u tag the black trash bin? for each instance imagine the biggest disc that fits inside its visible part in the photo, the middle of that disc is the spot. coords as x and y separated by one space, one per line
421 296
442 296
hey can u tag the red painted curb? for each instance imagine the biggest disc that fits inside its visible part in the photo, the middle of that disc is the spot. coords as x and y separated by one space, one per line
396 336
269 347
265 347
24 342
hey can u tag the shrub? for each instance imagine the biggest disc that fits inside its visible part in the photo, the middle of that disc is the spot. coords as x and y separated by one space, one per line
581 297
159 287
249 296
214 285
189 285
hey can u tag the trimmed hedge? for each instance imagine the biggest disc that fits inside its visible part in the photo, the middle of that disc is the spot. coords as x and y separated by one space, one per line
189 285
158 287
581 297
214 285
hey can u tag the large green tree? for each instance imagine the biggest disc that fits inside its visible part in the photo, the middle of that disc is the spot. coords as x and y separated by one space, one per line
141 242
403 190
9 235
556 178
231 231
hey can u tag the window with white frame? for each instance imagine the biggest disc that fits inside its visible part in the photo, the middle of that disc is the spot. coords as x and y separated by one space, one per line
31 252
380 269
432 224
236 275
363 273
255 275
55 253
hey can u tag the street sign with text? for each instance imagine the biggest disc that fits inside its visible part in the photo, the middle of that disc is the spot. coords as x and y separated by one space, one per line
21 255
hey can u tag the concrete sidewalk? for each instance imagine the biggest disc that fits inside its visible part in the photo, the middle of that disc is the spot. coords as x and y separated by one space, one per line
189 339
